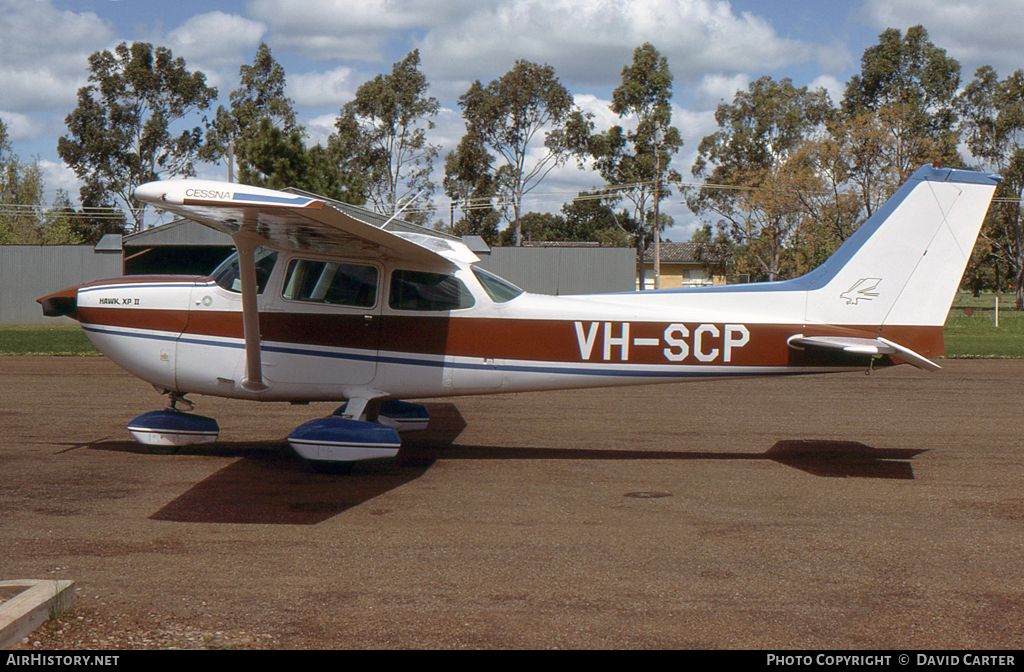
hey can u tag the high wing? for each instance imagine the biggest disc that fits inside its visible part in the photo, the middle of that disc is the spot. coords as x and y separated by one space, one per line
256 217
284 221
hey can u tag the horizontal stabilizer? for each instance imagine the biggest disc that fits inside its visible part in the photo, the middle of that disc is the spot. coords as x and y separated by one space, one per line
862 346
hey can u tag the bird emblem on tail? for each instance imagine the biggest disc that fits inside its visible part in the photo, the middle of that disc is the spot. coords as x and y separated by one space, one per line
862 289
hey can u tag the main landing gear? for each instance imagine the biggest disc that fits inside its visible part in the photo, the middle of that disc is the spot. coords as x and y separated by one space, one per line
358 430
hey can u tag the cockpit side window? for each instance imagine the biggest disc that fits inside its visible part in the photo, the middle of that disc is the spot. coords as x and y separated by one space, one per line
331 282
227 274
420 290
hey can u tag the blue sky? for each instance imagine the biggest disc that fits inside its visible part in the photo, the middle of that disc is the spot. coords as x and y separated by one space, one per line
329 47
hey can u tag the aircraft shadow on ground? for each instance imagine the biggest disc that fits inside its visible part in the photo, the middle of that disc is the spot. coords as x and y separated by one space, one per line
837 459
270 484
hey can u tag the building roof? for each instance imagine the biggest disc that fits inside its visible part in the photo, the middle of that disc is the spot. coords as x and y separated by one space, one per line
476 244
180 232
566 243
679 253
687 253
110 242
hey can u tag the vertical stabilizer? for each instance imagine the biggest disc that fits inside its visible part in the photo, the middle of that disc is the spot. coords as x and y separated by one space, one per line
904 264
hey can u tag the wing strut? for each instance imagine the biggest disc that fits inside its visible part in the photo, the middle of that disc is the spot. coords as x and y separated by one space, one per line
247 240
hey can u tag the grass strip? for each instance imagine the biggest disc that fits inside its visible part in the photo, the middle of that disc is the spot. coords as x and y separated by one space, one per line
63 340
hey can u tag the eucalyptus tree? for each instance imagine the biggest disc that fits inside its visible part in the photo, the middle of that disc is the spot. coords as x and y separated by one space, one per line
120 134
384 131
591 217
636 161
906 90
510 115
279 158
755 169
260 95
21 196
992 112
470 183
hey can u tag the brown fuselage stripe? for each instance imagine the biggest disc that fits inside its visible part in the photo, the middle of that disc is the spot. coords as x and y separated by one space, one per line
518 339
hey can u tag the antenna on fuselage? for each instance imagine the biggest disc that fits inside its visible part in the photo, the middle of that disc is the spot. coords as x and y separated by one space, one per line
402 209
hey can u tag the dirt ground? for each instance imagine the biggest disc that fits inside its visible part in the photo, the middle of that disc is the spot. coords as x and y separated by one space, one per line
846 511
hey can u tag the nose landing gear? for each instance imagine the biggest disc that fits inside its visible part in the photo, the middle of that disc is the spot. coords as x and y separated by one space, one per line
173 427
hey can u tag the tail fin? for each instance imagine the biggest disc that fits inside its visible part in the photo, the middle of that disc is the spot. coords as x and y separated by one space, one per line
903 266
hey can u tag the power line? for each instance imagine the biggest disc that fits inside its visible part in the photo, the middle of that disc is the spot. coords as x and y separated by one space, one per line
16 210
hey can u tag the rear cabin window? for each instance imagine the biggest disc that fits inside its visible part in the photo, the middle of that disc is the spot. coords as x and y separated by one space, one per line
227 275
332 283
420 290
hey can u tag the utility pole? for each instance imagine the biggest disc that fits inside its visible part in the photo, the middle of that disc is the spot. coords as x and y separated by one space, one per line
657 201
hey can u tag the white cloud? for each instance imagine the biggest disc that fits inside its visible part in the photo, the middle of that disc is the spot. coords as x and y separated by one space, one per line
45 53
21 126
350 29
600 108
693 125
449 127
835 88
697 36
215 40
318 129
975 33
58 176
716 88
332 88
466 40
214 43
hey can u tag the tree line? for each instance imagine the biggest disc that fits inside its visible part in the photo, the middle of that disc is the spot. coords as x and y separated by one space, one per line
789 175
785 179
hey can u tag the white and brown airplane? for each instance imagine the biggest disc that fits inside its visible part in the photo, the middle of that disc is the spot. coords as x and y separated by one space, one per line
318 305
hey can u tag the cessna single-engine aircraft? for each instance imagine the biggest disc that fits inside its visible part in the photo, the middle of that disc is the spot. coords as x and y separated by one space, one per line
319 305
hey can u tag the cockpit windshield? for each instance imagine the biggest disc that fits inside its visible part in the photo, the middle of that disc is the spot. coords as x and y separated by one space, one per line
499 289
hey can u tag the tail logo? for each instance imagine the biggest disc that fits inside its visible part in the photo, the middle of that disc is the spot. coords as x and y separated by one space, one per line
863 289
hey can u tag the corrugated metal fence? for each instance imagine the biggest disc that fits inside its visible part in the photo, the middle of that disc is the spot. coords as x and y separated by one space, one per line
28 272
565 270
